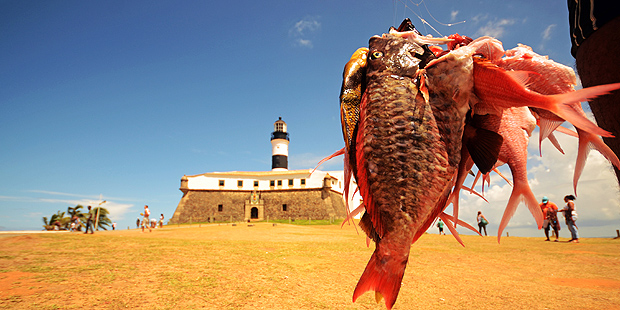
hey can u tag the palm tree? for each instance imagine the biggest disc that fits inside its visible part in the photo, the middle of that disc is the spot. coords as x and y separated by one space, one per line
75 211
47 225
58 219
103 218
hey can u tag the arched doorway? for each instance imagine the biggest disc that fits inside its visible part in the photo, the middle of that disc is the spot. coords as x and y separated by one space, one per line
254 213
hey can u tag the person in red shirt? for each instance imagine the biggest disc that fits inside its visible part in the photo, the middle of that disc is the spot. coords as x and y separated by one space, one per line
550 212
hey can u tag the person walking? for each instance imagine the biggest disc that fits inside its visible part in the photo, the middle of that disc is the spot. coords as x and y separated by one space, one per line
550 213
89 221
145 220
440 226
161 221
570 217
482 223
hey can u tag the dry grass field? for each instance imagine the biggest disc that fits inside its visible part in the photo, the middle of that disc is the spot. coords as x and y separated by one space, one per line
297 267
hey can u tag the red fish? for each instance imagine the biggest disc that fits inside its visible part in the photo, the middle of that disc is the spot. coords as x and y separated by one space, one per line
502 89
557 79
515 125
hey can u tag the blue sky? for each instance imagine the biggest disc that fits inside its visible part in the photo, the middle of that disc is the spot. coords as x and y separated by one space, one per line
120 99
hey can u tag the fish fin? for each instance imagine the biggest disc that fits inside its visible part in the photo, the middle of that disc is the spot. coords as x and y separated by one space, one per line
503 176
460 222
547 127
361 175
520 192
486 178
384 275
567 131
336 154
352 214
471 190
582 155
586 142
439 207
476 178
348 176
555 143
521 77
464 165
368 228
483 147
446 218
562 106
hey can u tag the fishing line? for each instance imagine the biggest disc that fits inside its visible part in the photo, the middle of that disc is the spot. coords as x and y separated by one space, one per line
424 22
433 17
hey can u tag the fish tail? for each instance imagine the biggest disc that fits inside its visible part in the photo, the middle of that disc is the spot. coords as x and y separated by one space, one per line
546 129
563 106
586 142
520 192
555 143
384 274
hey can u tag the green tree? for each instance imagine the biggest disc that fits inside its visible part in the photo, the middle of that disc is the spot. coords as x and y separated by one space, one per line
77 212
103 218
59 218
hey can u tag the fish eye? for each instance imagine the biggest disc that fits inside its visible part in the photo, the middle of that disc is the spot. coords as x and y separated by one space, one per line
376 55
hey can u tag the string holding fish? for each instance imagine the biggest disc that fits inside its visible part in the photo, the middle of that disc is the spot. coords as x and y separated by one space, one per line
424 21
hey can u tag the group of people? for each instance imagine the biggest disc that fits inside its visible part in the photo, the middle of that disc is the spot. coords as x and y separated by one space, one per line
550 213
149 223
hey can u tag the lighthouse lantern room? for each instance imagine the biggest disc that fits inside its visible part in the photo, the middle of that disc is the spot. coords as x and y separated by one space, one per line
279 146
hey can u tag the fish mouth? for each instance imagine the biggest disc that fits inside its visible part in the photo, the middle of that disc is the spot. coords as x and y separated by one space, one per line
420 44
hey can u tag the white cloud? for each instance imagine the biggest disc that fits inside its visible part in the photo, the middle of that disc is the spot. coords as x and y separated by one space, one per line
479 18
453 15
546 34
494 28
304 31
306 25
303 42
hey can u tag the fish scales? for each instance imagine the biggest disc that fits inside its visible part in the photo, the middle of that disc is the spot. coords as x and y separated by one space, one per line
398 155
407 152
450 83
400 139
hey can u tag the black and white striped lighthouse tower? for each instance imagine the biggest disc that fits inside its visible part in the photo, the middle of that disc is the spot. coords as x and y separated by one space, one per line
279 146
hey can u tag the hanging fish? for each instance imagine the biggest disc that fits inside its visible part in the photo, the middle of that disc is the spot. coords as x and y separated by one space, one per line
404 147
411 115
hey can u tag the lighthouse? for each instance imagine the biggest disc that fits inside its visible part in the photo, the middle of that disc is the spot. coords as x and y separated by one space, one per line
279 146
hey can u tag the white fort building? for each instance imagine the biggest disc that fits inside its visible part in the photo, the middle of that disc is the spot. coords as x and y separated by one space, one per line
276 194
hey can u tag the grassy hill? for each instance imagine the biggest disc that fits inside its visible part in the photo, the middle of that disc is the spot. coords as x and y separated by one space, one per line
297 267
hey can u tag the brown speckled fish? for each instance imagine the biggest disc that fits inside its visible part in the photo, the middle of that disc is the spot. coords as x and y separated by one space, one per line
404 150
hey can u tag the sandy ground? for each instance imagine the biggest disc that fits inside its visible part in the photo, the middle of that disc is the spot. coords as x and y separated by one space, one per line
297 267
